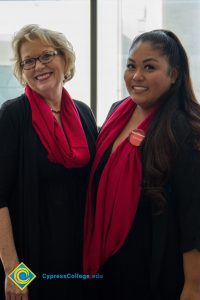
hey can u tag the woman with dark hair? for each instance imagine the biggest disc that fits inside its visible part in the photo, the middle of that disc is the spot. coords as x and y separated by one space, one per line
142 220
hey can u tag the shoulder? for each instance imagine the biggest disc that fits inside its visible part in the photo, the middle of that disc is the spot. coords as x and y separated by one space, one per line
84 110
86 115
115 105
188 154
10 120
12 105
81 106
181 127
184 133
13 112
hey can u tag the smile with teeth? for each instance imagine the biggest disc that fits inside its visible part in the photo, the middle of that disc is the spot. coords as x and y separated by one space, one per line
139 88
43 76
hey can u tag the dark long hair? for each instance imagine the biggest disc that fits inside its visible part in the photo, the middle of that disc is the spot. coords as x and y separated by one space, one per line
180 98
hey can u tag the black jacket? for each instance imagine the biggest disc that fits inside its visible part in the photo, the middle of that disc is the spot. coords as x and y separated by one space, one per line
177 229
19 187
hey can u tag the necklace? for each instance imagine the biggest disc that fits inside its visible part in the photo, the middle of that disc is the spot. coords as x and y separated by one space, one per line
55 111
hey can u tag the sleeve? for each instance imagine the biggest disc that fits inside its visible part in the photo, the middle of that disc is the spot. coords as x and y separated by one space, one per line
8 154
187 195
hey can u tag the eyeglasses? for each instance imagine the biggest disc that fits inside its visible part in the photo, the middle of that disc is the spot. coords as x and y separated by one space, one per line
44 58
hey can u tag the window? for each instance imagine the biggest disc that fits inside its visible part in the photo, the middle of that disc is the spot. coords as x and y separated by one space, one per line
119 21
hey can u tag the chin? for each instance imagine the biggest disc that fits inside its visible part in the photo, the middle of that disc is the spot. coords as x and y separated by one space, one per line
44 88
139 101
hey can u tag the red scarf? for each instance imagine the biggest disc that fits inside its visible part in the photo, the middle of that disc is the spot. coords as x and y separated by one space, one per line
118 191
66 145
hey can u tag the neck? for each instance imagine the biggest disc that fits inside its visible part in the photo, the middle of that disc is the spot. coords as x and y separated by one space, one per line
54 99
140 114
55 103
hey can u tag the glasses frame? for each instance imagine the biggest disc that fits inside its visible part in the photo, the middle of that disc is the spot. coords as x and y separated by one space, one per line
52 53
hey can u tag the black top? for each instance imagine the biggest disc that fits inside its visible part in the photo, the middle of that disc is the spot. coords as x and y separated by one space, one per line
45 200
127 272
150 263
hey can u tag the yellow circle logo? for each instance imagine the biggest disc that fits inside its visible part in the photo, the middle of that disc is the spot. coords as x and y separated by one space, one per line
21 276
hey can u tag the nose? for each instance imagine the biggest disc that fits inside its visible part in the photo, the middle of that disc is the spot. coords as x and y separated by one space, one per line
38 64
138 75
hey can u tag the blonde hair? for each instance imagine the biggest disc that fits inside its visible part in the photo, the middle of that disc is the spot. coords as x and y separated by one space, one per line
48 37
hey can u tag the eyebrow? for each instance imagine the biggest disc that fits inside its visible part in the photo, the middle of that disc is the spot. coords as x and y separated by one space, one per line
145 60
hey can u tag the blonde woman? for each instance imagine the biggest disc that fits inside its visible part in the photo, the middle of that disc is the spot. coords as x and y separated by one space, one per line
47 144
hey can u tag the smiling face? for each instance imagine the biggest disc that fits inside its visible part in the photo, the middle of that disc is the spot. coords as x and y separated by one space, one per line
148 75
45 79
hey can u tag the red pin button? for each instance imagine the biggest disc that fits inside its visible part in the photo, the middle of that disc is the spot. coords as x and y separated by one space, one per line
136 137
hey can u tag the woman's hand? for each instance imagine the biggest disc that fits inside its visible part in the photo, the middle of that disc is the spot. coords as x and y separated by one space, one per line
190 293
12 292
9 257
191 265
